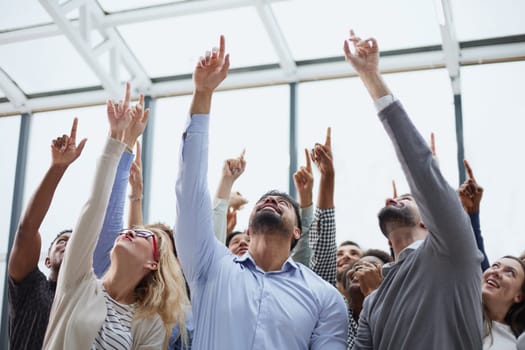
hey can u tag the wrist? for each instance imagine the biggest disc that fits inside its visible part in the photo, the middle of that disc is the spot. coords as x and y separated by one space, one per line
135 198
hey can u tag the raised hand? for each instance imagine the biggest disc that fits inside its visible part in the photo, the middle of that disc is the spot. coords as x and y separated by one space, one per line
365 58
64 149
304 182
236 201
369 277
135 174
211 69
139 119
470 192
322 155
233 168
119 115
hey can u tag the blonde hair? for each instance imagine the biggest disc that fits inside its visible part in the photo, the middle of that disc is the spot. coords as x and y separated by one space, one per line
163 291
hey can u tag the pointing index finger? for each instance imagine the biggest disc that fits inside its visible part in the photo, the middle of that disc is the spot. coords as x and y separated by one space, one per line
394 189
73 134
126 97
470 174
308 161
328 141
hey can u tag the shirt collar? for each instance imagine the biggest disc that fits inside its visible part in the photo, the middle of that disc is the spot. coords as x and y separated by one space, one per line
402 256
247 259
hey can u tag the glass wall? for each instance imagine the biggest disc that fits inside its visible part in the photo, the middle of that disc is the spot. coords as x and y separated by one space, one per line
494 124
9 132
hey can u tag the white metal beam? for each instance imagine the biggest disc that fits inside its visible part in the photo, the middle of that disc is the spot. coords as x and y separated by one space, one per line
276 36
307 72
14 94
91 17
128 17
449 42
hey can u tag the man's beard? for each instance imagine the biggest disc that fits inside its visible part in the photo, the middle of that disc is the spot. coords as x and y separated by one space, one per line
266 221
400 217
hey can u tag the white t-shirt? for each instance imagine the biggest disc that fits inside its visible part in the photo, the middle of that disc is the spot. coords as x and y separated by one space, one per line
502 338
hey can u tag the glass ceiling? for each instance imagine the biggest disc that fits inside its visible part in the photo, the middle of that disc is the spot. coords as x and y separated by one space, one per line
166 37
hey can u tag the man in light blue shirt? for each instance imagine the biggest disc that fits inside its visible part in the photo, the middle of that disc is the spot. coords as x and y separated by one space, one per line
262 300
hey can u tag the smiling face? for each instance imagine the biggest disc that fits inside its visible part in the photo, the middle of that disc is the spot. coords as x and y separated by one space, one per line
347 255
399 212
238 245
503 283
275 213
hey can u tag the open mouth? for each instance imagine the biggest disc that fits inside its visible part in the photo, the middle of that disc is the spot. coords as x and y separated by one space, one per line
270 207
491 282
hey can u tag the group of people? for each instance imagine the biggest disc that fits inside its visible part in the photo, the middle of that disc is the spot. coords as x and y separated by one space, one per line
283 283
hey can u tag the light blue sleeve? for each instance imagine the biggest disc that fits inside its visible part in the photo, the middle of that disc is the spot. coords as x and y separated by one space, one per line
113 221
194 236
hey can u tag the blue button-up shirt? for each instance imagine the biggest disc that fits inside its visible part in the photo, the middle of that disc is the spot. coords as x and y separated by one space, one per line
237 305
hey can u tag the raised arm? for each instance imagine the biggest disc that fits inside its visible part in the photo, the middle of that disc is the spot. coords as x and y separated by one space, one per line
232 169
194 239
114 218
322 232
304 184
470 194
441 210
136 184
27 244
78 260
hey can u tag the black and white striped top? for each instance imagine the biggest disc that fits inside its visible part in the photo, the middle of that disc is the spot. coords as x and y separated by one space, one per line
115 332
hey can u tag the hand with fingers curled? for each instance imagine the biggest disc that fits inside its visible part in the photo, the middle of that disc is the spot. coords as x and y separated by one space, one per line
119 115
64 149
369 277
365 58
236 200
304 182
233 168
470 192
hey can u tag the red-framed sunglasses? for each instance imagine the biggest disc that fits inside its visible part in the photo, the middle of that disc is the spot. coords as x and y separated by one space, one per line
144 234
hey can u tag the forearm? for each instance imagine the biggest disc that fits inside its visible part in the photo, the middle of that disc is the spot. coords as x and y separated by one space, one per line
375 85
78 259
476 227
135 211
324 248
225 188
201 102
41 201
303 252
220 208
325 199
113 220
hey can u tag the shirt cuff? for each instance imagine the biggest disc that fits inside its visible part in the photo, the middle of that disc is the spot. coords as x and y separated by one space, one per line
383 102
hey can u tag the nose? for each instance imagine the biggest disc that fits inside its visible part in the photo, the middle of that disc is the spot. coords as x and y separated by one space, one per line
270 199
244 242
130 233
390 201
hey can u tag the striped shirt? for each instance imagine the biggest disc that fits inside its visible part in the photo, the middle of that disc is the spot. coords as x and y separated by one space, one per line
115 332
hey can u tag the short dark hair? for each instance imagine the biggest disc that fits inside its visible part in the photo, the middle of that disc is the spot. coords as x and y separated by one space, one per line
57 236
230 237
349 243
295 206
380 254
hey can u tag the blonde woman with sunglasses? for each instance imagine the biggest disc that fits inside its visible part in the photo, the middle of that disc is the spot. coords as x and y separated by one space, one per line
138 300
